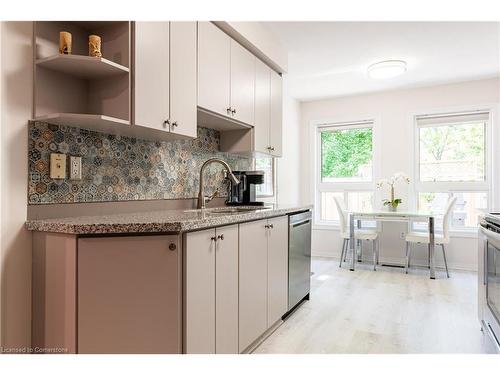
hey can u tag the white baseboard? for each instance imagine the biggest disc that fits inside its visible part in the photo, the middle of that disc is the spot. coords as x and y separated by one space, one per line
399 261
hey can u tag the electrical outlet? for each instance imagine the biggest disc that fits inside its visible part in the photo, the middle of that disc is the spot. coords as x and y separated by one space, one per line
57 166
75 167
402 235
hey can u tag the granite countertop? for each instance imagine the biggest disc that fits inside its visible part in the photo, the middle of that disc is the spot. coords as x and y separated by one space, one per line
156 221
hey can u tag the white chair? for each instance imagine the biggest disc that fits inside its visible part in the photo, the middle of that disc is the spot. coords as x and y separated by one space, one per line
359 234
439 239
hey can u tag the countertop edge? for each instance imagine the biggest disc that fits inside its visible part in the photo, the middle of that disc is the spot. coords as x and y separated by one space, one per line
66 226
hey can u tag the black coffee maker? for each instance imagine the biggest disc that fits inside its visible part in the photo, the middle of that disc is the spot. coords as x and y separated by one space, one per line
244 193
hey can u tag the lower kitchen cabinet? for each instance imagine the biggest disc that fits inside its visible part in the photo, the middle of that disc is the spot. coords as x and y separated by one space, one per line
129 295
253 282
218 292
226 290
277 269
263 277
107 294
211 291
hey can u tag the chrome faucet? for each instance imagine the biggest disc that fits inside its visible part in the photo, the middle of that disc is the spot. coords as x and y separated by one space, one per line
202 199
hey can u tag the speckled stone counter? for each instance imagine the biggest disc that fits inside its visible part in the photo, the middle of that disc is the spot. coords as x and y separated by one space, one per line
156 221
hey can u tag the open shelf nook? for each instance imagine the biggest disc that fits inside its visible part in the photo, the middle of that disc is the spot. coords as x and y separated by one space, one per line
77 89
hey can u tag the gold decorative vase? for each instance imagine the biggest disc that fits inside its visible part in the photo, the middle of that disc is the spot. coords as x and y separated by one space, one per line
95 46
65 43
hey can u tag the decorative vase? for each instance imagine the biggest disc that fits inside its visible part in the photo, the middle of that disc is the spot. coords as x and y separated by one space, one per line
95 46
65 43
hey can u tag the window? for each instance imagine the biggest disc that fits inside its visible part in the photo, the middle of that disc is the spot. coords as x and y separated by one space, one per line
266 165
452 162
344 168
346 154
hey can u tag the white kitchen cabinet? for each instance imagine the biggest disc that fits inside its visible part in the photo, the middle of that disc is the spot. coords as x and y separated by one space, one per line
151 92
262 107
268 111
214 65
211 291
226 75
276 123
183 78
242 84
226 290
199 287
277 269
253 282
165 76
263 290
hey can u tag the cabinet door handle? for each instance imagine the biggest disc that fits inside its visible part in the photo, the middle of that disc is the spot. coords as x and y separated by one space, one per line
271 226
213 239
220 237
174 124
233 112
272 148
228 110
165 123
172 247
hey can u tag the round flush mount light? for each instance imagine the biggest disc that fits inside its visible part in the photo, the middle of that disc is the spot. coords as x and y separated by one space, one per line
387 69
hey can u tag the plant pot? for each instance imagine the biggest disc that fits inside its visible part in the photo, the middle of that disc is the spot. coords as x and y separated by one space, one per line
392 208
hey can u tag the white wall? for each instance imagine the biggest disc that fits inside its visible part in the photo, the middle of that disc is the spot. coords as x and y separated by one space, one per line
15 241
288 166
394 110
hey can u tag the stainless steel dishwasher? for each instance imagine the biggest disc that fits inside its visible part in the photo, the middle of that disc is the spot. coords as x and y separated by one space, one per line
299 257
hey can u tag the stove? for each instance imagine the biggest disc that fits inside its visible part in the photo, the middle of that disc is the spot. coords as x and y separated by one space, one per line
489 279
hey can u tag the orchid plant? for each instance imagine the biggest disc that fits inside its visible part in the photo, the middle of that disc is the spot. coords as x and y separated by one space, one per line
398 177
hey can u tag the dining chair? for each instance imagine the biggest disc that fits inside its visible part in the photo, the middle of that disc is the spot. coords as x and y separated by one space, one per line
359 234
439 239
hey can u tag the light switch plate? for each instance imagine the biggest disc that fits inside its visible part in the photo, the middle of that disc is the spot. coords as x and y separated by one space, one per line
75 167
57 166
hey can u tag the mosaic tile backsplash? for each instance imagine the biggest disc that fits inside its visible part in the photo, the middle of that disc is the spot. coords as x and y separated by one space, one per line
116 168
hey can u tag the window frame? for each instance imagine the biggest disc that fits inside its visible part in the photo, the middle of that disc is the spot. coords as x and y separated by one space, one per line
273 183
318 186
453 187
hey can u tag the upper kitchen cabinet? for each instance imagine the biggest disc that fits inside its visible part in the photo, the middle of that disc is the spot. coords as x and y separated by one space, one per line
276 121
268 125
152 74
183 78
266 136
214 64
262 126
242 84
164 93
226 75
77 89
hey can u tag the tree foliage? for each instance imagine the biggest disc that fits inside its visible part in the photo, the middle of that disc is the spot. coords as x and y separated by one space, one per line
344 151
454 142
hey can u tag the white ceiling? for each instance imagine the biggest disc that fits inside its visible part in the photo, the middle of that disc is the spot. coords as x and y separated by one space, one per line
329 59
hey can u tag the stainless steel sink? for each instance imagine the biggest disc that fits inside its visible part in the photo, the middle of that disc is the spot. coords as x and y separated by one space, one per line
229 210
232 210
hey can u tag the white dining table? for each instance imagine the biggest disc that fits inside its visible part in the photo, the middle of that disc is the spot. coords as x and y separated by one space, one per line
355 219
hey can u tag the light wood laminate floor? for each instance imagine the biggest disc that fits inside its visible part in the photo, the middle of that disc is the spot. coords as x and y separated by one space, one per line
385 311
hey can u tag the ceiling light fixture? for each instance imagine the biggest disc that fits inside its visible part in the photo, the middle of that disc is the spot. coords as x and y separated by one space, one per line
387 69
